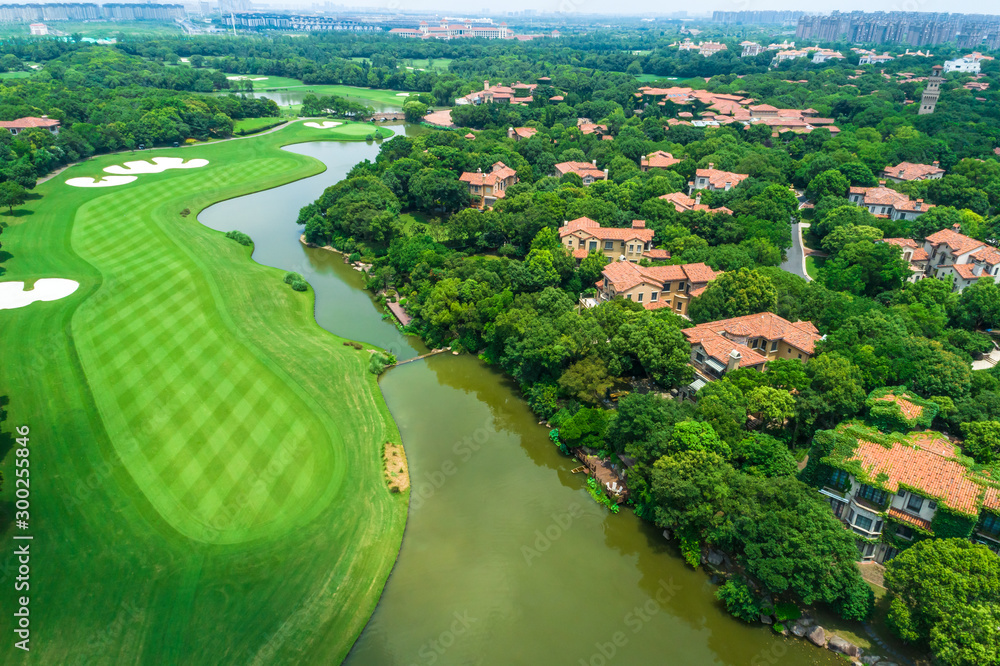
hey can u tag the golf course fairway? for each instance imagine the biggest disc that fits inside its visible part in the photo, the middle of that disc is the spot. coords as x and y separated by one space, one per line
205 460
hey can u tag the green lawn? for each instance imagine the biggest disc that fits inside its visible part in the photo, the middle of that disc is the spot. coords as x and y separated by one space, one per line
813 264
650 78
251 125
97 29
206 459
438 64
15 75
269 82
415 223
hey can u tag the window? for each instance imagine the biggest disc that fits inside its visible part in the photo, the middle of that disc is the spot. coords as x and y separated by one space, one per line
901 493
904 532
774 346
569 242
639 297
666 287
871 494
609 245
699 357
593 245
862 522
680 305
680 286
990 524
932 506
653 295
839 478
915 504
628 296
800 355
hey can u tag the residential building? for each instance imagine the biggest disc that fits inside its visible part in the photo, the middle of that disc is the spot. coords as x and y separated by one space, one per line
486 188
658 160
497 94
38 29
712 179
901 27
587 127
584 235
904 481
908 171
932 91
970 64
587 171
655 287
745 342
824 55
683 203
751 49
518 133
885 202
913 254
872 59
15 127
966 260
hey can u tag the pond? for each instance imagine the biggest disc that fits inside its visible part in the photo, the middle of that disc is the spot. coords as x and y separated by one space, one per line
506 559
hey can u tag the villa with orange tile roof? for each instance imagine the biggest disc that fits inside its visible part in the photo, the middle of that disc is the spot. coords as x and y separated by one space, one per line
712 179
914 254
908 171
15 127
884 202
658 160
904 481
655 287
486 188
587 171
518 133
683 203
584 235
747 342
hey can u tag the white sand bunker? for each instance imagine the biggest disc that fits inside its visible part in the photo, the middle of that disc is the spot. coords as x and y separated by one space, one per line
107 181
13 295
159 165
402 94
247 78
326 124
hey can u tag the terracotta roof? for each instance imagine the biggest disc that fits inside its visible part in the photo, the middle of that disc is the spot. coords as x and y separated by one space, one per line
624 275
966 271
656 254
902 517
910 411
718 179
801 334
927 463
884 196
918 254
592 229
958 243
580 168
987 254
659 160
498 172
911 171
720 347
525 132
580 253
28 123
683 202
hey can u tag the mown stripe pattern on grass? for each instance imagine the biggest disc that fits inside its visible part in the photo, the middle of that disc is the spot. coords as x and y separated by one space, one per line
209 432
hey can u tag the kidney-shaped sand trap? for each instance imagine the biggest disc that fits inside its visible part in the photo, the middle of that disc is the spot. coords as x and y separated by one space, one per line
159 165
326 124
13 295
107 181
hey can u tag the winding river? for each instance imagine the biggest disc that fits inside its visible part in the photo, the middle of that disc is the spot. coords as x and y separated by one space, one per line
506 559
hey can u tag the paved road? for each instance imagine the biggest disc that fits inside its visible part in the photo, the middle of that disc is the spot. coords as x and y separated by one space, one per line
796 261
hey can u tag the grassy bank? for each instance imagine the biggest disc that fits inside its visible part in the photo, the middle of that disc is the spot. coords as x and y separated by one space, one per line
206 459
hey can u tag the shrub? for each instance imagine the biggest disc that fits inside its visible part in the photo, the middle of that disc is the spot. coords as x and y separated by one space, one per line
292 277
787 612
740 601
299 285
378 363
239 237
354 257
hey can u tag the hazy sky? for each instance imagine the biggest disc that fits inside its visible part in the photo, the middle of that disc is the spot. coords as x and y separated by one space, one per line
653 7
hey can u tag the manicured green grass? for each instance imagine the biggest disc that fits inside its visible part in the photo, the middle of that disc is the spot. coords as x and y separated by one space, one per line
813 264
438 64
206 459
387 97
251 125
15 75
415 223
650 78
269 82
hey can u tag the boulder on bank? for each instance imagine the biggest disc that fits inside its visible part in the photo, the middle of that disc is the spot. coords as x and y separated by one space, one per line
838 644
817 636
766 619
798 630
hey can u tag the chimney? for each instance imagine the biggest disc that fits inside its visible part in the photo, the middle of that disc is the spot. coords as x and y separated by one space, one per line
957 228
881 183
697 199
919 204
733 360
605 174
486 84
479 170
711 165
977 268
936 163
594 162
